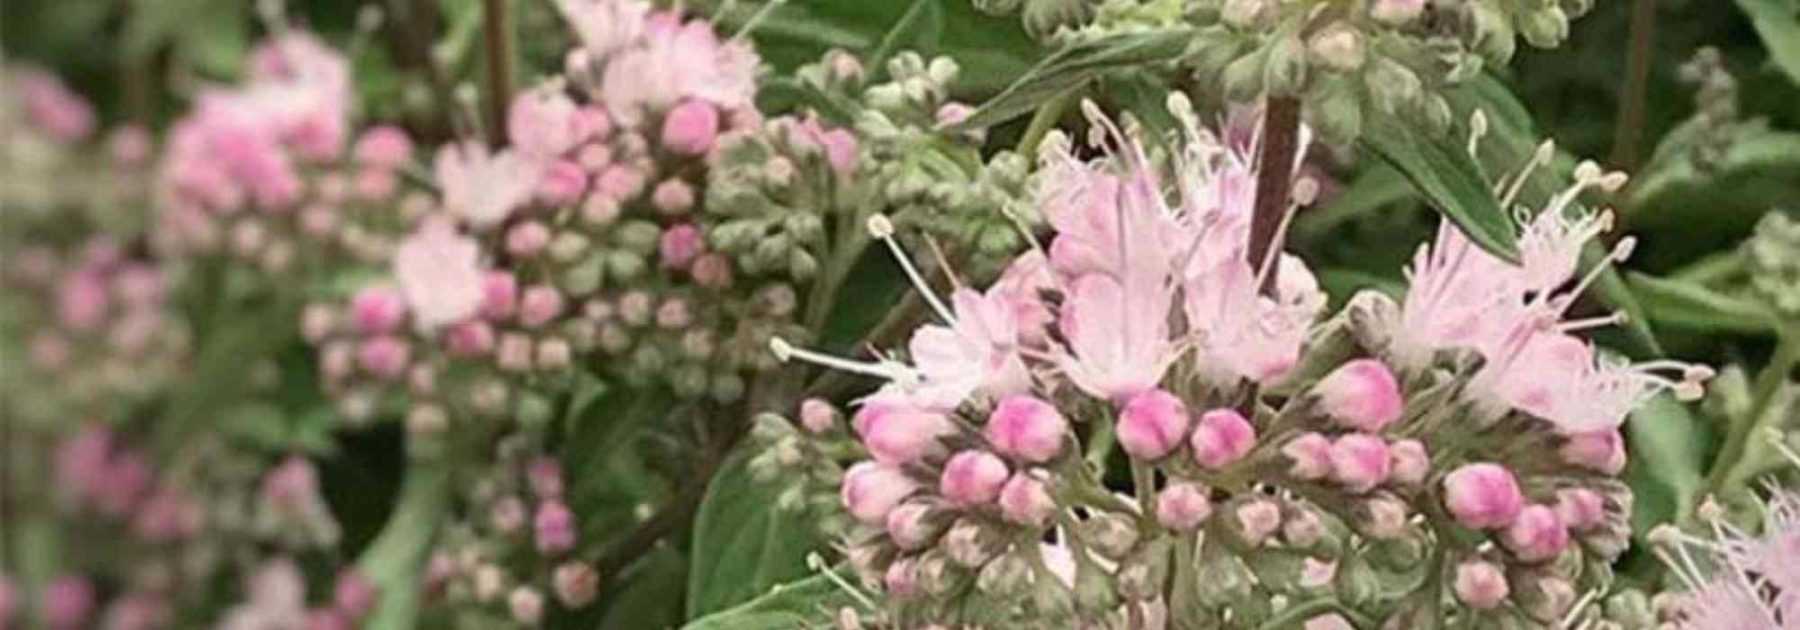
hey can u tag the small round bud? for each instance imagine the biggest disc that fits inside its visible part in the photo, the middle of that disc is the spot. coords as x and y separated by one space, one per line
1310 454
1221 438
1483 496
972 478
1480 584
1537 534
1409 461
526 605
1360 461
1152 424
1025 500
576 584
1183 506
1027 428
870 490
1361 395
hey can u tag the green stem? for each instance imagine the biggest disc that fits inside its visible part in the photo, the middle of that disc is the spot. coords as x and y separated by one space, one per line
393 562
1042 122
1743 453
1292 617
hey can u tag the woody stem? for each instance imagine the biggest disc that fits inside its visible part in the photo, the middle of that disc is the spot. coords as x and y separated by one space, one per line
1274 181
497 40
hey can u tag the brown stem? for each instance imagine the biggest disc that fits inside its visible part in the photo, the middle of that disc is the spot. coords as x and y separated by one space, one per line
497 36
1274 181
1637 79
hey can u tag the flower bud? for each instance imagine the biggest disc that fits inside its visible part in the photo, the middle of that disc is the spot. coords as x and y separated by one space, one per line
1328 621
562 183
1256 520
971 544
377 310
576 584
972 478
1152 424
526 605
1310 454
68 603
384 357
353 594
1537 534
898 436
1025 500
540 304
870 490
1601 451
1546 599
672 196
1580 508
316 322
1483 496
1383 517
1245 14
545 477
1111 534
1396 12
1338 47
499 295
1004 577
470 339
1546 27
1183 506
691 128
902 578
1361 395
680 245
912 526
1027 428
817 415
1222 437
526 239
514 353
1360 461
554 528
507 515
553 354
1480 584
1302 528
1409 462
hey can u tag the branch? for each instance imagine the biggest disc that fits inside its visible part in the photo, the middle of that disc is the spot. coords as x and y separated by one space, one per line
1632 94
1274 182
496 33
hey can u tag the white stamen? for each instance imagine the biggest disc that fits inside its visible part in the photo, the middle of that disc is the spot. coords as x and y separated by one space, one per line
1545 152
882 228
1478 128
786 352
1780 442
817 563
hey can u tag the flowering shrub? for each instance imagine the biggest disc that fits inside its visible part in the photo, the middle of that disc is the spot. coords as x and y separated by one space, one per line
622 314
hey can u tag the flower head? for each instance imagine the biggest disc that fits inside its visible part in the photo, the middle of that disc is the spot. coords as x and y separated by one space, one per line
439 272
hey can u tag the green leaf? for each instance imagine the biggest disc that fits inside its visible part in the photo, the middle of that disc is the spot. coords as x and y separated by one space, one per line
1072 67
1693 306
743 543
394 560
1668 449
803 604
652 595
1440 167
919 28
1778 22
1377 187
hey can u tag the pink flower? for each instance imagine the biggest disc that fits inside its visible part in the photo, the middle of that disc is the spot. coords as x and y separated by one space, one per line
539 305
1025 500
1118 336
499 294
1480 584
68 602
1361 395
385 357
541 123
353 594
1258 519
817 415
1152 424
1021 286
1459 296
481 187
972 478
605 26
439 272
977 351
677 61
1580 508
1483 496
561 183
1026 427
672 196
679 245
470 339
63 114
377 309
691 128
554 528
873 489
384 147
1221 438
1242 333
1183 506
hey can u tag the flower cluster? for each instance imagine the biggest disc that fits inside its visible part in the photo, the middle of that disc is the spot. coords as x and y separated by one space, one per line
1773 253
275 597
1276 461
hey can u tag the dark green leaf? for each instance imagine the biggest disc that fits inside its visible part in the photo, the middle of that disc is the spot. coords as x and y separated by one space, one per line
652 595
1377 187
1668 447
1440 167
1778 22
743 543
802 604
1692 306
1070 68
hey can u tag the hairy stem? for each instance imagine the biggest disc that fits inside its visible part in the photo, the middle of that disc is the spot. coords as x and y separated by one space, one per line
1632 94
1274 181
496 31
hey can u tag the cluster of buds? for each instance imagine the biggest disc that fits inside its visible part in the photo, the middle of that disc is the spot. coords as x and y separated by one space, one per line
1715 124
1773 254
275 597
520 542
1044 18
1275 462
265 172
95 320
48 131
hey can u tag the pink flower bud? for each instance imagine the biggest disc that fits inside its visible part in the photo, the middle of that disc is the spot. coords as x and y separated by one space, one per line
1601 451
972 478
385 357
507 515
316 322
527 239
470 339
817 415
953 113
674 314
327 619
514 353
1362 395
1537 534
600 210
1580 508
353 595
680 245
712 271
672 196
1360 461
1025 500
128 477
576 584
1480 584
898 436
526 605
619 182
384 146
1411 464
554 528
1396 12
376 184
691 128
377 310
82 301
562 183
1483 496
1221 438
1183 506
872 489
1258 520
499 295
1329 621
130 146
540 304
902 578
1385 517
545 476
1311 456
592 123
907 525
1027 428
1303 529
68 602
1152 424
594 157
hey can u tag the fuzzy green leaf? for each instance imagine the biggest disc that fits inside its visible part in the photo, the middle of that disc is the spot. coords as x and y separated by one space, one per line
1440 167
743 543
1072 67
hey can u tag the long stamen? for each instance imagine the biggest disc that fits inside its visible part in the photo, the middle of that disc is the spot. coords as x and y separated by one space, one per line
882 228
937 252
785 352
817 563
757 19
1576 325
1779 440
1545 152
1620 252
1478 128
1580 605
